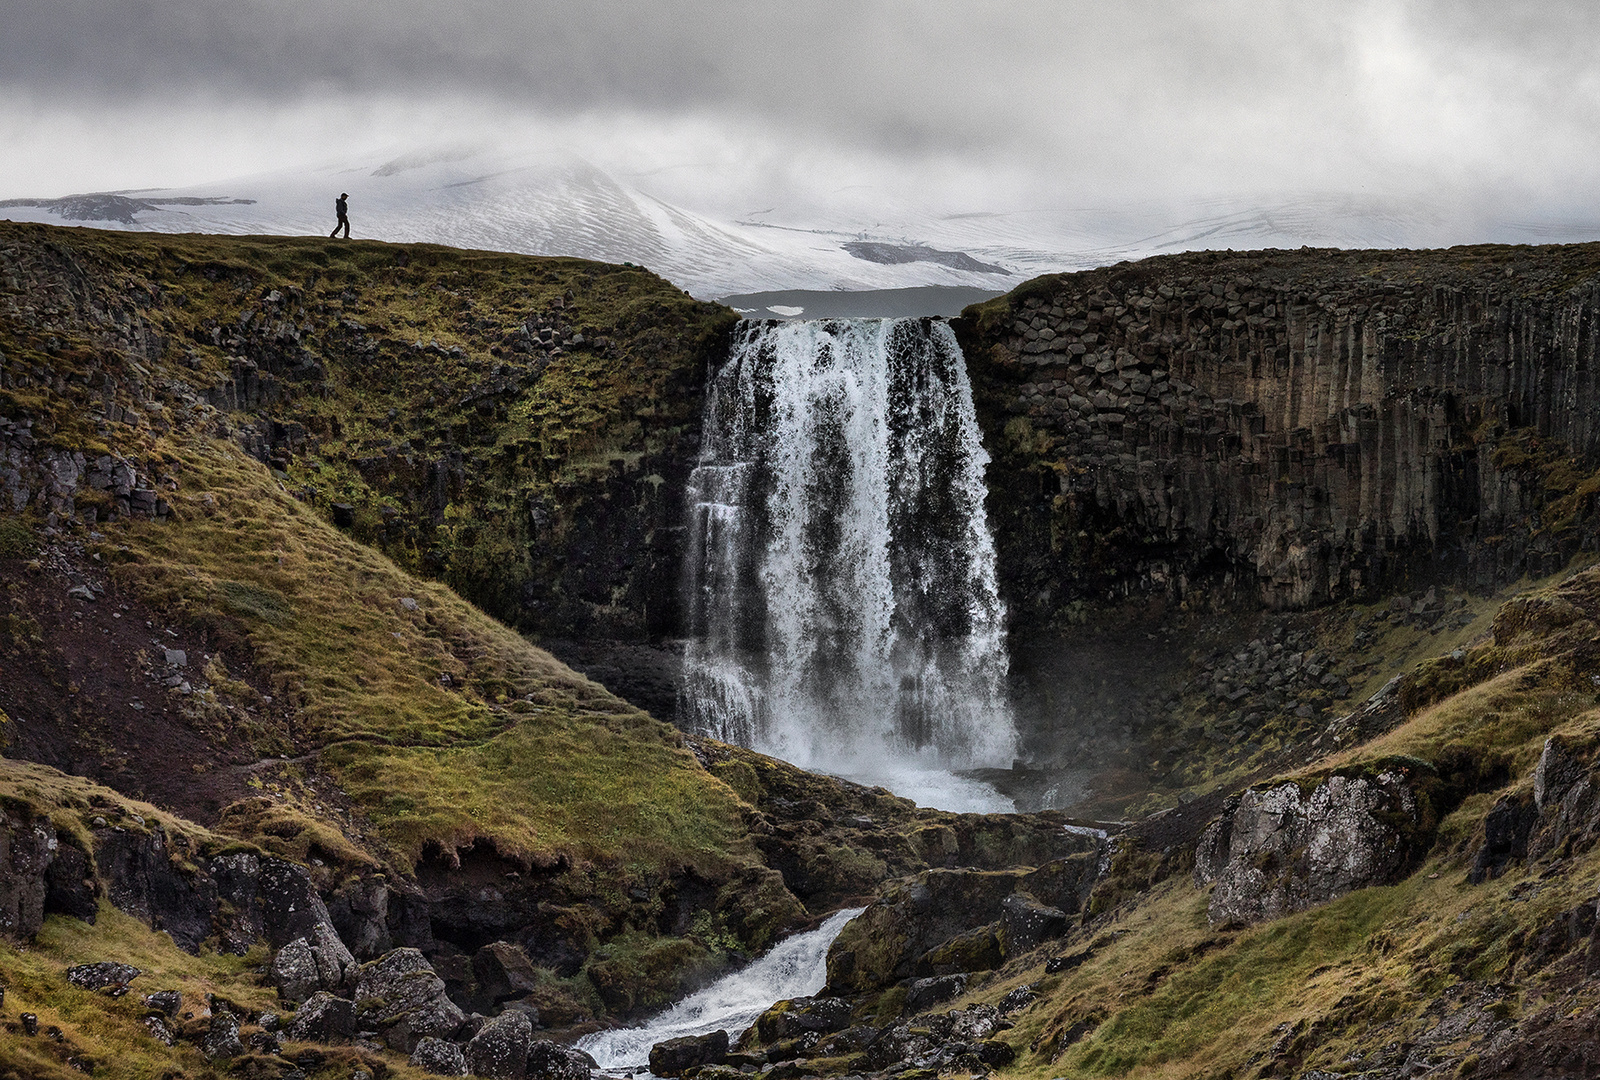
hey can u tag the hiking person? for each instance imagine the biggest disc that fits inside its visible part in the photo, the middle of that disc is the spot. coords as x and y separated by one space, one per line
342 208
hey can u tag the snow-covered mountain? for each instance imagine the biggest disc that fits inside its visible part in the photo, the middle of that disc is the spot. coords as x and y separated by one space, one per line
554 203
544 203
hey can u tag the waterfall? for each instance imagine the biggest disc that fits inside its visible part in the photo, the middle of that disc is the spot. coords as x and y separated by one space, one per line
795 967
843 608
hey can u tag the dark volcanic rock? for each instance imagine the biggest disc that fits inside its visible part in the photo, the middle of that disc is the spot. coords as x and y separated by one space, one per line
166 1002
1018 999
439 1057
947 921
160 1030
1028 922
499 1050
401 997
323 1018
1506 829
264 1042
360 915
70 883
294 972
923 994
503 971
675 1056
222 1041
25 853
1566 790
276 900
1283 427
102 975
551 1061
788 1019
142 880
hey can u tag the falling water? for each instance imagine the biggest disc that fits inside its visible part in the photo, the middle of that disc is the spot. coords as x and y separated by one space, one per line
844 613
796 967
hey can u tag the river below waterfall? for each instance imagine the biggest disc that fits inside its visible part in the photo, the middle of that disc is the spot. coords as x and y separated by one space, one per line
843 602
796 967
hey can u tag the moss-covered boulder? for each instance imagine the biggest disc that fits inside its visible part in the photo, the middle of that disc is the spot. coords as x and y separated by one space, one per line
942 922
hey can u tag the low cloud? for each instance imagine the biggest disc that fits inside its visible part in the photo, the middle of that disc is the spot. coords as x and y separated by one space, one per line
972 107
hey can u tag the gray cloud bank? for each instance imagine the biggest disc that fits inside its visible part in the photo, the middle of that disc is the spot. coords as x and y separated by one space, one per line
1495 107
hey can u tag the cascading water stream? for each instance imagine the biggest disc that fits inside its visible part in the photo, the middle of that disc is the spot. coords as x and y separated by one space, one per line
844 611
795 967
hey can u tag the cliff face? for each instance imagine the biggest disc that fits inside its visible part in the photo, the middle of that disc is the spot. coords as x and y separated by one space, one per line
519 430
1290 428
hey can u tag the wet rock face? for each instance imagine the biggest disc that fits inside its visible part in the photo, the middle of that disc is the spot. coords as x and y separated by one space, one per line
1286 848
1285 427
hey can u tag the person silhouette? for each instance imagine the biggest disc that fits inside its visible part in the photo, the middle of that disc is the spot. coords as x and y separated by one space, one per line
342 208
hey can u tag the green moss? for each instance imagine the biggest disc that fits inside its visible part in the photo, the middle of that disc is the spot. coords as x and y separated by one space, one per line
635 972
103 1032
17 538
976 950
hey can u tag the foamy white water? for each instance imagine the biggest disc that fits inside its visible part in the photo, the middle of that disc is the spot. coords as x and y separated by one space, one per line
844 609
796 967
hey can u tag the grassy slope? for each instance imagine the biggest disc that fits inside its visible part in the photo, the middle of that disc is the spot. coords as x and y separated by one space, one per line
470 459
1166 995
516 748
97 1030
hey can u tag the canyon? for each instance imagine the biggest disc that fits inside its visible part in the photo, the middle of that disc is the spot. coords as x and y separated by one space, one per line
353 573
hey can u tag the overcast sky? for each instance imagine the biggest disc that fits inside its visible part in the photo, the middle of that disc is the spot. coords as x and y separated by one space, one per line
974 105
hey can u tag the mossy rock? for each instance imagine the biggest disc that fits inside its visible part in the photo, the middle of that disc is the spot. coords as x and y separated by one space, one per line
976 950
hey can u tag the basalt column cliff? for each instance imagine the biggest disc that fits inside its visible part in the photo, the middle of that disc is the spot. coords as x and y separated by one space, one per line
1289 428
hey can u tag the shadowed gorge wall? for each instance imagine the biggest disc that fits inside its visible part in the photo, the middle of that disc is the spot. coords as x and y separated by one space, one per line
1288 428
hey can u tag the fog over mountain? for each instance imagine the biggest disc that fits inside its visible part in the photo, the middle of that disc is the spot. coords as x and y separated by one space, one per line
738 146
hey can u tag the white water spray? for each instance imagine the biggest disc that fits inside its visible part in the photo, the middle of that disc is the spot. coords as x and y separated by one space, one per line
844 612
795 967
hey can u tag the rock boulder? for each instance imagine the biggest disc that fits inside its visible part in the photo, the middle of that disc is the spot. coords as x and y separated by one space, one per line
551 1061
789 1019
499 1051
1294 845
323 1018
676 1056
401 997
439 1057
948 921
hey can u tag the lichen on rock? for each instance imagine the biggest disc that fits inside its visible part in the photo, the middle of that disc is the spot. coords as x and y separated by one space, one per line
1289 846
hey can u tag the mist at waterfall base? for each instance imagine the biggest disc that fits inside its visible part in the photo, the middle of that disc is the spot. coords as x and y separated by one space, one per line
796 967
843 605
